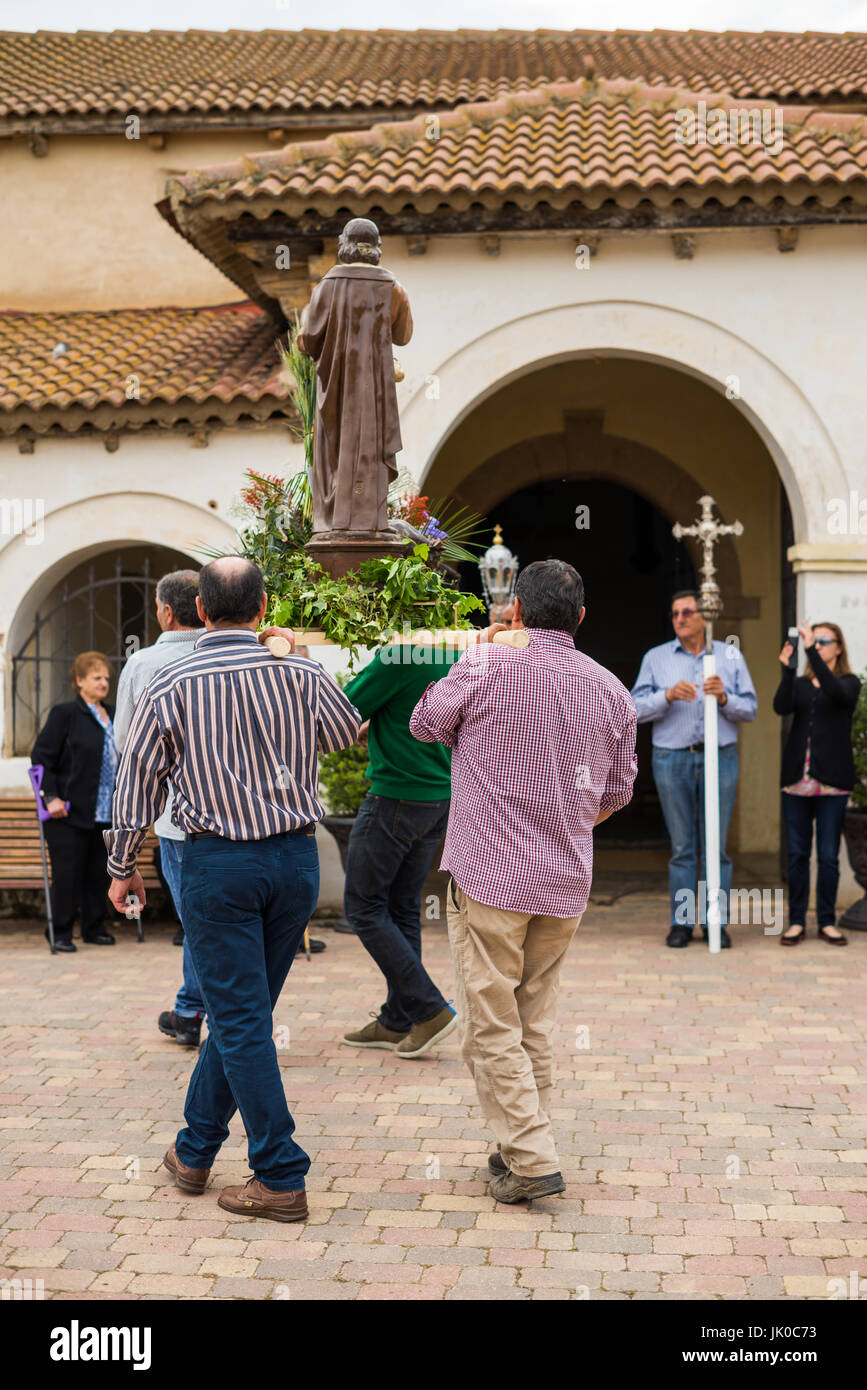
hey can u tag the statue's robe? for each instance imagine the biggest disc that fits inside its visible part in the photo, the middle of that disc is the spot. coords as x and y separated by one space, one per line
355 315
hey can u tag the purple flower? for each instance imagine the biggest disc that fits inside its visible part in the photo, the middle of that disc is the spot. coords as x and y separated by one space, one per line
432 528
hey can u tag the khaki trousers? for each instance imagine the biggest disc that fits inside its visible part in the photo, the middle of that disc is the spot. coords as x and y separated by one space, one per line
507 972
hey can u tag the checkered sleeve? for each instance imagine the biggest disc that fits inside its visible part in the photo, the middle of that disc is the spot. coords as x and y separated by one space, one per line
439 712
624 763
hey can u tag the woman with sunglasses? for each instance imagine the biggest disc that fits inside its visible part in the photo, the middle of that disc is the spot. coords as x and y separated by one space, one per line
818 772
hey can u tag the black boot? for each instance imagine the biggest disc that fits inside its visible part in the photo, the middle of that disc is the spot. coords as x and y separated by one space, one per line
186 1031
679 936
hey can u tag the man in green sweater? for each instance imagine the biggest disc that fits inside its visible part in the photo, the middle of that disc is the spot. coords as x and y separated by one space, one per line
393 842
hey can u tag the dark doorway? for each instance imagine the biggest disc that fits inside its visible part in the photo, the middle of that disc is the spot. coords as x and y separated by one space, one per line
631 565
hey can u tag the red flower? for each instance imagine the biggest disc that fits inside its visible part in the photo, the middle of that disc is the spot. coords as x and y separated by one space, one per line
414 510
263 488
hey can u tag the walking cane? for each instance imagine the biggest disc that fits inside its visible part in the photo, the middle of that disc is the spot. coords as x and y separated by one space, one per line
43 814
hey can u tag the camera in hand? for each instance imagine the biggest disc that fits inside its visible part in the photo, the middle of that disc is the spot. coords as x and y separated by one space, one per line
792 637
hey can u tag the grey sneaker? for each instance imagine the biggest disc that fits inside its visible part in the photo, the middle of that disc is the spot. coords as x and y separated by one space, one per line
374 1035
512 1188
497 1165
423 1036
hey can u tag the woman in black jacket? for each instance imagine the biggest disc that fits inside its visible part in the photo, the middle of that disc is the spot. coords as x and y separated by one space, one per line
77 750
818 772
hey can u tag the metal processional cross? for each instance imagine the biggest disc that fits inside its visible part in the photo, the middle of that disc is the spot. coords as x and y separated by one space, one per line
708 531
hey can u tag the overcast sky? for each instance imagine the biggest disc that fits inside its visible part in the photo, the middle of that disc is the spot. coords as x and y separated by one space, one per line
836 15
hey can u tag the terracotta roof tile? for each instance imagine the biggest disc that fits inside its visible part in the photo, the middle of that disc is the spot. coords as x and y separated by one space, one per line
137 362
270 72
585 141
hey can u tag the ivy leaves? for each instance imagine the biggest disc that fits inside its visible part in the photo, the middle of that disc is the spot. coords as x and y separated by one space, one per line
363 609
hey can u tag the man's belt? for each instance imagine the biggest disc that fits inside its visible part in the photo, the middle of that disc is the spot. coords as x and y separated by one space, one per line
308 829
695 748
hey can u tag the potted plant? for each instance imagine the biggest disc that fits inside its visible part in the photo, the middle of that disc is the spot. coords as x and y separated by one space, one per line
343 786
855 823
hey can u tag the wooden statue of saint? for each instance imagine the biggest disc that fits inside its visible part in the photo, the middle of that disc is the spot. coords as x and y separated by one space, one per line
358 310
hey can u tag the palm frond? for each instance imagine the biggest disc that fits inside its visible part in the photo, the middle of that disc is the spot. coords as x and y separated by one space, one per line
299 373
463 525
299 495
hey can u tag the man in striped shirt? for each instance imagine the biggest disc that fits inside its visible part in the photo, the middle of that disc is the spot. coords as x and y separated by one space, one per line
237 732
543 749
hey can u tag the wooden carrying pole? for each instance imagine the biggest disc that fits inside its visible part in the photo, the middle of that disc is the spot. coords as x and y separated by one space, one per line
460 638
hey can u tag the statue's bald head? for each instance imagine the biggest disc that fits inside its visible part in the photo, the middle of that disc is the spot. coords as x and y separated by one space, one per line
359 243
231 591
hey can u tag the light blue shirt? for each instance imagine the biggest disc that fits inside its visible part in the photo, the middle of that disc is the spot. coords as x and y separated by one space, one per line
680 723
107 768
138 671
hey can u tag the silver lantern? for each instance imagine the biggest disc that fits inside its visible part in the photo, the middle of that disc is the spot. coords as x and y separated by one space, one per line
498 568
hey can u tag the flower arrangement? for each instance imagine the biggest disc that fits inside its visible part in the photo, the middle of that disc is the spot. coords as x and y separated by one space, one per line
366 608
450 531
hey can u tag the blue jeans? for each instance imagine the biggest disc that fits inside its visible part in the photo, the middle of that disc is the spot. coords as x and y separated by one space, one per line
245 906
679 777
391 849
189 1002
800 812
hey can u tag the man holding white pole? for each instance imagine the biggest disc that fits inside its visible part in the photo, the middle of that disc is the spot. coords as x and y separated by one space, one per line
666 694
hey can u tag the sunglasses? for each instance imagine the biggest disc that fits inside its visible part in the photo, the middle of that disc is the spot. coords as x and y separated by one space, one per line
683 613
824 641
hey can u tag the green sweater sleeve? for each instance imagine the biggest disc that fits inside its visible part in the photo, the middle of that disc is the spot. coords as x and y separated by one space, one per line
375 685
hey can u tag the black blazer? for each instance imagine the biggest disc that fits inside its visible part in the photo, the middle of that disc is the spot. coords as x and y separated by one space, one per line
823 715
69 747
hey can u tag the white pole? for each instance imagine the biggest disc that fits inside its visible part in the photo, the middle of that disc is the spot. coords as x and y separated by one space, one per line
711 801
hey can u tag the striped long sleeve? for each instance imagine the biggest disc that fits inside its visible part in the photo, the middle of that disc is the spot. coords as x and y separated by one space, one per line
237 732
140 791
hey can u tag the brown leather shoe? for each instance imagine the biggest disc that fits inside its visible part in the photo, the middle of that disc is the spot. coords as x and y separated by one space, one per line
255 1200
188 1179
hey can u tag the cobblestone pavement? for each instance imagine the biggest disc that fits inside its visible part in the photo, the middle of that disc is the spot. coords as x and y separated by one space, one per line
710 1113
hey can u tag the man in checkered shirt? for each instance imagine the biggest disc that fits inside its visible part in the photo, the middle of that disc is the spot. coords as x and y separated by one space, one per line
543 744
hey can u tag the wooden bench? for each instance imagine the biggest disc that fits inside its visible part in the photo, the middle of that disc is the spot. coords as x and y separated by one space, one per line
20 855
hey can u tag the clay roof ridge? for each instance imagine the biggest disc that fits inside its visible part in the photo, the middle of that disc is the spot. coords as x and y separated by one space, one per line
715 34
214 180
230 306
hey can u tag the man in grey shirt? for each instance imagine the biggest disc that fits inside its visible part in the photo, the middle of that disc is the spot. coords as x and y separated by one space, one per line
181 628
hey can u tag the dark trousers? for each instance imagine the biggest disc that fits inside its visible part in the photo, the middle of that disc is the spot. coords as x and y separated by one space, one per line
79 877
800 813
391 849
244 905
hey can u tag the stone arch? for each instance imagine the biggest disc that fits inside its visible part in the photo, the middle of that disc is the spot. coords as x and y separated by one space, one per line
639 468
32 566
92 525
774 405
